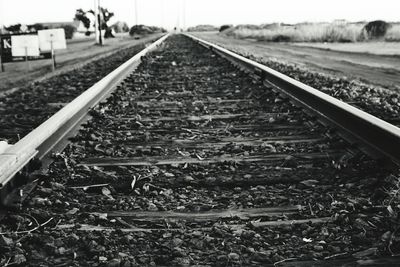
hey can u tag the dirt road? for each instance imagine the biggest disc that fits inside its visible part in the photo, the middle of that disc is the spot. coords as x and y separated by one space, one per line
383 70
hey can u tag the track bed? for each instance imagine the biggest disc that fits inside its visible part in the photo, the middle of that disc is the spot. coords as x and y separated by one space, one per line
190 161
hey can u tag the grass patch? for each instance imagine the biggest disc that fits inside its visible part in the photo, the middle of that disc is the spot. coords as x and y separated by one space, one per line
310 32
393 34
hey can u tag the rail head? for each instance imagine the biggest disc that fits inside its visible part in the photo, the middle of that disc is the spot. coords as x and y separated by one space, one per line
377 135
15 157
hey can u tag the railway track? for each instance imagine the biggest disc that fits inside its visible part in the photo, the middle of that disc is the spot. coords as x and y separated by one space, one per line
191 161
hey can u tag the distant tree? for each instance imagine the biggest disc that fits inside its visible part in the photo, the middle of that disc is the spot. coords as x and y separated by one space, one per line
82 16
35 27
120 26
16 28
143 30
224 27
69 30
202 28
376 29
105 17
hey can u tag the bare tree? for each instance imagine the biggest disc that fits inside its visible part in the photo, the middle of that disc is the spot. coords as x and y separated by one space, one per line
81 16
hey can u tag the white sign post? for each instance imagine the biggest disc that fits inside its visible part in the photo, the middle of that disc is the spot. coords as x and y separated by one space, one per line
51 40
25 46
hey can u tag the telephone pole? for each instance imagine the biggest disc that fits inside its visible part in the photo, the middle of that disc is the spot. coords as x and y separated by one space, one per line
99 22
96 24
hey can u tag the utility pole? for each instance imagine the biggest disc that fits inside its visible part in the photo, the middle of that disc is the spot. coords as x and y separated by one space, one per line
96 24
99 22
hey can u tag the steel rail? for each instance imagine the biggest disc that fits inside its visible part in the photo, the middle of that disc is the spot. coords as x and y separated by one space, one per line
41 141
377 137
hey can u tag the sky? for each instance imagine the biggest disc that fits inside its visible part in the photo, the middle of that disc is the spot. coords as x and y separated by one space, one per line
170 13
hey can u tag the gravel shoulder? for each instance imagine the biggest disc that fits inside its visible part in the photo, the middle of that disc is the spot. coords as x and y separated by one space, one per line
77 54
382 70
375 48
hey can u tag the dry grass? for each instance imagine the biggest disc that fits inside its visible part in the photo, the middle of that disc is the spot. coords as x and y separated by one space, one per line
310 32
393 34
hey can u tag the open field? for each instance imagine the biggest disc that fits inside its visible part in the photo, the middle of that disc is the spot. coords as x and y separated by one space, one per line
340 31
78 52
383 70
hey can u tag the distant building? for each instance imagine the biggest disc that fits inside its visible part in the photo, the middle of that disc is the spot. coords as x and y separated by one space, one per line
54 25
339 22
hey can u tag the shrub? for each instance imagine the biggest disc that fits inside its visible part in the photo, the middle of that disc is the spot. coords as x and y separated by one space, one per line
120 26
376 29
225 27
143 30
69 31
281 38
37 26
202 28
304 32
14 28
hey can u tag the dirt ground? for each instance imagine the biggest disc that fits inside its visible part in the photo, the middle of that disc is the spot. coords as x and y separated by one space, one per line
377 48
383 70
77 53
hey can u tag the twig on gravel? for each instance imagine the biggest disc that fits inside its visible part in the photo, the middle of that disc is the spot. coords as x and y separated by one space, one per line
335 255
85 187
391 242
28 231
8 261
34 219
144 177
284 260
157 187
311 210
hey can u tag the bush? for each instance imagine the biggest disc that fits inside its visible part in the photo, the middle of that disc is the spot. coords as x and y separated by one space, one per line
225 27
310 32
202 28
120 26
37 26
281 38
69 30
14 28
376 29
143 30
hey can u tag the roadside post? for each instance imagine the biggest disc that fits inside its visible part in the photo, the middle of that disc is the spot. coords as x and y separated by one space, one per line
52 40
99 18
1 61
53 59
25 46
26 59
